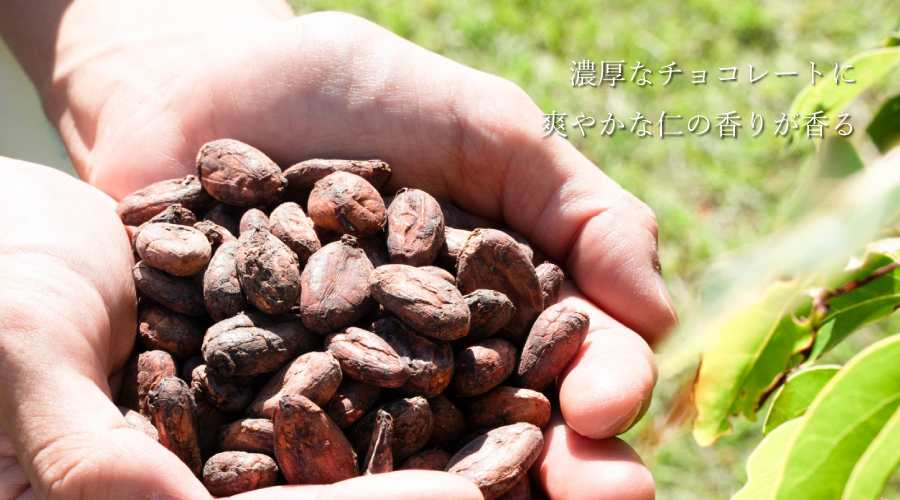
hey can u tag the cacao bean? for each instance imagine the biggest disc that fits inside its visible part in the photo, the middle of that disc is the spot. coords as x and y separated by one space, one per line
234 472
215 234
375 250
379 459
254 219
554 341
335 289
314 375
141 206
454 217
174 412
449 422
429 362
551 278
440 273
226 216
483 366
454 240
367 358
489 311
141 376
351 401
238 174
224 392
222 292
436 460
412 421
175 333
180 294
415 228
268 271
347 204
305 174
253 435
505 405
174 214
210 421
177 250
520 491
139 423
294 229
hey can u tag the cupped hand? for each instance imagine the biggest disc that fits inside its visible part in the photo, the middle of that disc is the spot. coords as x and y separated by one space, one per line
158 83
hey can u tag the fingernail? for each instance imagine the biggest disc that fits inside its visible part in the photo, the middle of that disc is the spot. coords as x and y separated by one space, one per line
631 419
666 297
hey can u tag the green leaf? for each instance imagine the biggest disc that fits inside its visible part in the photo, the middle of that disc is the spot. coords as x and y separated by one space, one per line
877 463
830 97
837 159
885 127
841 423
765 461
753 349
795 396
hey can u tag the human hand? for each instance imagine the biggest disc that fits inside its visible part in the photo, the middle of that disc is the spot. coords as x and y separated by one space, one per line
136 98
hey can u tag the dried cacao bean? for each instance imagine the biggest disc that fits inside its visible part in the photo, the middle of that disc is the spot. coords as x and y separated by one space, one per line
175 415
141 206
161 329
174 214
415 228
483 366
454 240
210 421
314 375
253 435
254 219
180 294
554 340
177 250
215 234
294 228
305 174
140 423
309 446
351 401
454 217
268 271
233 472
347 204
413 423
379 459
226 216
238 174
436 460
222 292
551 278
141 376
335 289
430 362
498 459
508 405
520 491
375 250
367 358
449 422
224 392
440 273
489 311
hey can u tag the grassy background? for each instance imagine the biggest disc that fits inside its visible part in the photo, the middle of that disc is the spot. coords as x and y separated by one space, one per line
710 195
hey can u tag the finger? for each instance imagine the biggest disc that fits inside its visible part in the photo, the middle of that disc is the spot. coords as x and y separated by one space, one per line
573 467
13 481
608 386
401 485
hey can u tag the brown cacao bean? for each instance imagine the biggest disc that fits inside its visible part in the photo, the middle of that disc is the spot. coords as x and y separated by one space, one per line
141 376
177 250
238 174
174 412
187 369
140 423
505 405
492 260
314 375
427 303
440 273
351 401
436 460
335 289
254 219
215 234
454 240
253 435
454 217
222 292
523 243
375 250
254 343
430 362
483 366
498 459
226 216
175 333
294 228
551 278
554 340
347 204
309 446
449 422
141 206
379 459
520 491
174 214
489 311
415 228
226 393
268 271
367 358
180 294
305 174
234 472
210 421
413 423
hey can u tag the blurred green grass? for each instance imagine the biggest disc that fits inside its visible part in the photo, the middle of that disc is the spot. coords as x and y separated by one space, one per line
710 195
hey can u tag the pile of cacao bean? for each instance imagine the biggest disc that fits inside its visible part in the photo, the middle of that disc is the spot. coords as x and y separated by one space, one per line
324 331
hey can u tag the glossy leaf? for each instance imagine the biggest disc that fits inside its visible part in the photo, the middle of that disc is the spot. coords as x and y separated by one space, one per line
840 425
765 462
795 396
877 464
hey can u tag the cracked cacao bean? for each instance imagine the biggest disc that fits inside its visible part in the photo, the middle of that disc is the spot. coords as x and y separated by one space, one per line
335 287
449 422
367 358
238 174
506 405
379 459
351 401
497 460
413 423
233 472
305 174
222 292
436 460
347 204
180 294
551 278
483 366
254 343
492 260
429 362
174 412
292 226
554 340
268 271
253 435
415 228
314 375
141 206
309 446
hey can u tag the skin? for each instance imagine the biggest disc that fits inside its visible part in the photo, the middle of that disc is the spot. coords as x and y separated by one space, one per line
135 88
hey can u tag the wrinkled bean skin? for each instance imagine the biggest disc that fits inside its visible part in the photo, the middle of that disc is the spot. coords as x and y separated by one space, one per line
139 423
222 292
180 294
351 401
233 472
174 214
290 225
366 357
177 250
454 240
412 421
551 278
309 446
214 233
428 304
314 375
489 311
505 405
254 343
253 435
305 174
415 228
268 271
449 422
436 460
238 174
334 285
483 366
174 412
554 341
141 376
141 206
497 460
379 459
429 362
165 330
226 393
440 273
347 204
492 260
254 219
